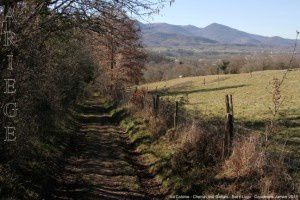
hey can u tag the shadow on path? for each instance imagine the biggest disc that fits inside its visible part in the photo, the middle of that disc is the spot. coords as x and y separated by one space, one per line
104 165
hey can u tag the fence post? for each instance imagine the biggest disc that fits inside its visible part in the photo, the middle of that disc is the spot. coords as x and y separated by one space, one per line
176 115
228 136
204 81
143 99
231 104
157 103
153 104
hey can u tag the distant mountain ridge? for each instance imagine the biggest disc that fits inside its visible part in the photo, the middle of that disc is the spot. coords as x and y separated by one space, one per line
163 34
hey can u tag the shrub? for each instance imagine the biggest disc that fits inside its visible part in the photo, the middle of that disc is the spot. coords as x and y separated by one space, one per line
247 158
254 170
198 147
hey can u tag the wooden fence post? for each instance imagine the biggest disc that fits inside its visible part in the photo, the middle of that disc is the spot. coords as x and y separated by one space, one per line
157 103
176 115
143 99
204 81
153 104
228 136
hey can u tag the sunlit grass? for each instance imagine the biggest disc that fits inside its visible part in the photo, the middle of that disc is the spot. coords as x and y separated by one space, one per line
252 99
252 96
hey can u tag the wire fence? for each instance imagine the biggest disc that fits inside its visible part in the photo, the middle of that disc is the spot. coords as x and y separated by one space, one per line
154 101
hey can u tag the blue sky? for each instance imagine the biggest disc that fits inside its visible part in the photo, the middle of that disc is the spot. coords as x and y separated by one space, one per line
263 17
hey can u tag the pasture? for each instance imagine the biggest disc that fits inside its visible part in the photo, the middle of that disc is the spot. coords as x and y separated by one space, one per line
252 95
252 99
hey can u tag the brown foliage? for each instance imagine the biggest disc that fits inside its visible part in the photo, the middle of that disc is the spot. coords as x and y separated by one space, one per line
255 170
164 69
119 53
138 98
199 147
246 159
53 63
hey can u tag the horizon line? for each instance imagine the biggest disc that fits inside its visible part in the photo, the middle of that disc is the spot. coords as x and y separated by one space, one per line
222 25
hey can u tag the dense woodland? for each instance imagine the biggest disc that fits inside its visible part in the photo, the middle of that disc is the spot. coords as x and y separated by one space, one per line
59 48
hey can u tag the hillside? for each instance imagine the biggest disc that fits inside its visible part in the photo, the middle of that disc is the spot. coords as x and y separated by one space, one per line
252 97
245 89
252 100
163 34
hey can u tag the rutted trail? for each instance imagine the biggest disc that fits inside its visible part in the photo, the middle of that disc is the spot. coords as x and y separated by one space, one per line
103 165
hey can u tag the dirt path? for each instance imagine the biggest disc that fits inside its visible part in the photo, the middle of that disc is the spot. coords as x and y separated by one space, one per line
103 165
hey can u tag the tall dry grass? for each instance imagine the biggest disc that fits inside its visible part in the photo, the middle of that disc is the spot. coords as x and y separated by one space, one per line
252 169
197 161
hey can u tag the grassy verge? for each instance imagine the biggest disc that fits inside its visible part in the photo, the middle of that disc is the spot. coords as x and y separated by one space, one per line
155 153
252 98
189 160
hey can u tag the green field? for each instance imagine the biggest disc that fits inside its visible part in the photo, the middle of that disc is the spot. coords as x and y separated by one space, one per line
252 95
252 98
